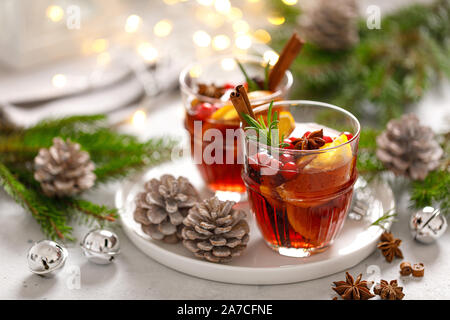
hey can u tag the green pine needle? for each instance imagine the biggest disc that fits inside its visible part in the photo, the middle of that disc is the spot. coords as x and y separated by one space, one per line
115 155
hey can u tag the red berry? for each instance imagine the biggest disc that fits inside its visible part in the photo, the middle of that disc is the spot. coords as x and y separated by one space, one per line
307 133
228 86
349 135
204 110
286 158
327 139
288 143
292 139
289 170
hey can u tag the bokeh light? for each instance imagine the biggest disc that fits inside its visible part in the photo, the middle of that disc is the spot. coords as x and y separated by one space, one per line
290 2
262 35
276 20
220 42
59 80
270 57
132 23
241 26
243 42
163 28
139 118
228 64
54 13
222 6
202 38
147 52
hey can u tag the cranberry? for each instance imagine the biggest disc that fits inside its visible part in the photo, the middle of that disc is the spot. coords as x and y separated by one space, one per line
204 110
292 139
289 170
289 144
228 86
286 158
348 135
327 139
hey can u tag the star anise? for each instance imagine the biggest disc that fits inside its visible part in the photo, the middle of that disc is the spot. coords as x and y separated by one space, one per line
389 291
313 140
351 289
210 90
389 246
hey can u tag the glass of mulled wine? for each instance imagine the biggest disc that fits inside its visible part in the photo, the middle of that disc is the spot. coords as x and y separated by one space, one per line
300 189
206 88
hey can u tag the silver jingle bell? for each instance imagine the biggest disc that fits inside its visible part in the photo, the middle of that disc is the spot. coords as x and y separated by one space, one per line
100 246
427 225
46 258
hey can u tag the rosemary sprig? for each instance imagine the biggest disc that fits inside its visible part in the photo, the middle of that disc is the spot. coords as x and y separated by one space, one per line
252 84
266 132
384 218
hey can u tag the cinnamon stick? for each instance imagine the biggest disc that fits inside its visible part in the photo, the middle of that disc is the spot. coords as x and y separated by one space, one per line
287 56
243 93
239 104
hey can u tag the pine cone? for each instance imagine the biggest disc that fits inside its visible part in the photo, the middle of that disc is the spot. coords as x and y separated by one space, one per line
408 149
64 169
215 231
331 25
161 208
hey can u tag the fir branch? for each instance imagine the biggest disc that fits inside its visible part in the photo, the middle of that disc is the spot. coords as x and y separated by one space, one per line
50 217
434 190
390 69
367 161
96 211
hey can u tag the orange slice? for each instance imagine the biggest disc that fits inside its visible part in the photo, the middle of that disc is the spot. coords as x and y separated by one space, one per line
286 124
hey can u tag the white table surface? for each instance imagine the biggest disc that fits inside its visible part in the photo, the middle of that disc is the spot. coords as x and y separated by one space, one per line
135 276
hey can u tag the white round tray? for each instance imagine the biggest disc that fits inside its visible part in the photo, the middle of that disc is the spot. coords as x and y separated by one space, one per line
259 264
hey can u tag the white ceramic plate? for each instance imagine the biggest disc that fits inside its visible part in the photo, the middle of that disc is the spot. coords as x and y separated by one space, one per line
259 264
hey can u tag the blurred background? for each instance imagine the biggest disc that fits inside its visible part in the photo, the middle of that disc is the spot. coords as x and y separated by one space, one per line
123 58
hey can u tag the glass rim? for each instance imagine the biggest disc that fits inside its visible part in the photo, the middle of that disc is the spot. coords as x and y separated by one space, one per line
254 58
310 103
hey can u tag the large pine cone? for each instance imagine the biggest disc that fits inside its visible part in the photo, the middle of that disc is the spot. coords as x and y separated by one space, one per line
408 149
161 208
64 169
331 25
215 231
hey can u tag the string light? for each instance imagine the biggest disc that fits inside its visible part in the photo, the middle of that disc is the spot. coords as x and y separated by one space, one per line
195 71
243 42
220 42
240 26
262 35
132 23
59 80
270 57
147 52
276 20
163 28
290 2
201 38
139 118
55 13
228 64
222 6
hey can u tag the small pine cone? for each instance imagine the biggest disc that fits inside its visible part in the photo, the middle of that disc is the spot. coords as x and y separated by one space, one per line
64 169
215 231
161 208
408 148
331 25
